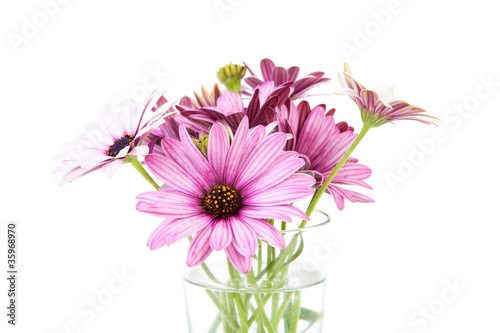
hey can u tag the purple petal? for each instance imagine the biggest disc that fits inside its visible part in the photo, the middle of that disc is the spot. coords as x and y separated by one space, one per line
266 68
200 249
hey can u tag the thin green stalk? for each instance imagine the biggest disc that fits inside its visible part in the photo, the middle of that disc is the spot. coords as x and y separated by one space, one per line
282 309
228 322
283 225
260 305
138 166
215 324
339 165
292 314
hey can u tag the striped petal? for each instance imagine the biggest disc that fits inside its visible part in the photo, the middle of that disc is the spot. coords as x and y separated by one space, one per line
200 249
165 169
244 238
267 232
221 235
217 149
240 262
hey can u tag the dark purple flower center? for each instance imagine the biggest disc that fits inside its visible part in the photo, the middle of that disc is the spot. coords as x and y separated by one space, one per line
119 144
222 201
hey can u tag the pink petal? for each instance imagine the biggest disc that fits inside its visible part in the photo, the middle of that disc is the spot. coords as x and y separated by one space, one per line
274 176
110 169
163 210
235 152
267 232
221 235
218 147
200 249
175 151
281 212
261 155
230 103
241 263
280 196
196 156
244 238
177 229
165 169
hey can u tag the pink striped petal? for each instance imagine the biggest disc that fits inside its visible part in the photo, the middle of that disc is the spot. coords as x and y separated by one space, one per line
274 176
244 238
166 210
164 168
235 152
262 154
175 150
281 212
241 263
221 235
168 198
217 149
177 229
196 156
199 249
230 103
354 171
280 196
267 232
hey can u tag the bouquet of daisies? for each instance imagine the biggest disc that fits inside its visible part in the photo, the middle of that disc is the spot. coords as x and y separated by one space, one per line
227 167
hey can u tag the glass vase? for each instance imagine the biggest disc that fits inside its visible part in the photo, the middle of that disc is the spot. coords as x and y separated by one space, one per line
283 292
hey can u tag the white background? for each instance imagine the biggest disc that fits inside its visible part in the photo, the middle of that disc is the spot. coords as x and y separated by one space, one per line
438 222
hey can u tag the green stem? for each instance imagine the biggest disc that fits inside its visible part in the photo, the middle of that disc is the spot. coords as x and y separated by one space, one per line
339 165
138 166
260 305
282 309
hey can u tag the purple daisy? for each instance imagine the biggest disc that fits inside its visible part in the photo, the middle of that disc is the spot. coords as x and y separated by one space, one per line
107 144
229 107
323 143
226 197
279 76
378 108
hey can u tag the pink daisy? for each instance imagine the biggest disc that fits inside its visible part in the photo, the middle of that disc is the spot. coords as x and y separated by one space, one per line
226 197
323 143
107 144
378 108
279 75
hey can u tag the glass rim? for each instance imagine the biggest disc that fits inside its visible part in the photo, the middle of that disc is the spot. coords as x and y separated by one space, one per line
323 223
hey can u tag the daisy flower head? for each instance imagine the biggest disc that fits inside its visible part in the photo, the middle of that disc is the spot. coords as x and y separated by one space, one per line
108 143
280 75
379 106
225 198
322 143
